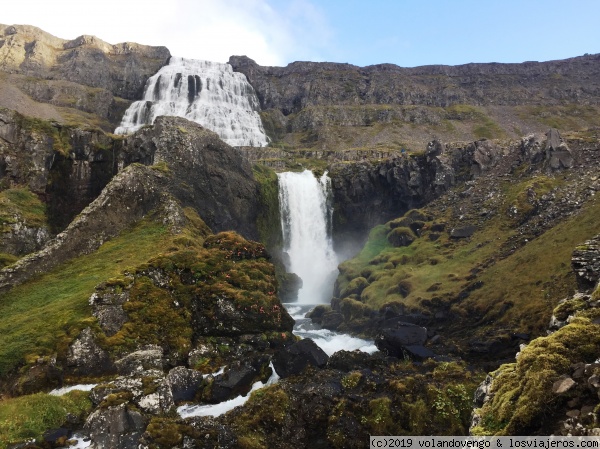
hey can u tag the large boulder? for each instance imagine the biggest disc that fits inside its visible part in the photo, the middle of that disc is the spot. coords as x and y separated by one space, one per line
117 427
86 357
293 359
394 341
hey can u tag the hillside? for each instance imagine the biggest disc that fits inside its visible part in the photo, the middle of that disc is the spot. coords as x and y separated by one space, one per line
340 111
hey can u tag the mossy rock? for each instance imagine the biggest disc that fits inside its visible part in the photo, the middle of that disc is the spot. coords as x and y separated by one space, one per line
401 236
352 309
522 392
569 307
401 222
355 287
417 215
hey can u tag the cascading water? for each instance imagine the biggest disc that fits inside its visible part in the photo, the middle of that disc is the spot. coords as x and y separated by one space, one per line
306 219
209 93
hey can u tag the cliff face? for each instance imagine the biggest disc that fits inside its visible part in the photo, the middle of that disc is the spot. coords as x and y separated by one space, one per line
302 84
85 74
340 106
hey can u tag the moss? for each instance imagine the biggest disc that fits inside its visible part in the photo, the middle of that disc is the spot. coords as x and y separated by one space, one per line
7 259
356 286
22 205
351 380
268 219
401 236
522 391
379 421
569 307
162 167
264 414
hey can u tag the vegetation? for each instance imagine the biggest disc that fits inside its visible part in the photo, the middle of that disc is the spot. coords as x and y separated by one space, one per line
28 417
436 272
48 312
522 397
20 204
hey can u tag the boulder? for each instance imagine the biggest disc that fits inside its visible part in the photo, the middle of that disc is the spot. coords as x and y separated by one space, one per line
418 352
295 358
393 341
562 385
332 320
117 427
586 263
463 232
184 383
558 153
86 357
150 357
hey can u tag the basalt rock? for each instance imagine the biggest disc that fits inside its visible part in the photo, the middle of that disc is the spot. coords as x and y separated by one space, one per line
295 358
586 263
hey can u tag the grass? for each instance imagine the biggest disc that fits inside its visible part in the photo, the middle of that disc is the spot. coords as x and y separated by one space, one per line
514 291
48 312
21 202
28 417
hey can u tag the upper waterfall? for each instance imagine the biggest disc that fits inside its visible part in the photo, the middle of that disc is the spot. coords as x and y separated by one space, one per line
209 93
306 222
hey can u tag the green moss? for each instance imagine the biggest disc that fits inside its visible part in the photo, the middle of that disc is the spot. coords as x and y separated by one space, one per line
522 391
569 307
7 259
21 203
28 417
264 413
351 380
355 287
401 236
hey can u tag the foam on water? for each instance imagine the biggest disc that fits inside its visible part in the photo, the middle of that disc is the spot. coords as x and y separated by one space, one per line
188 411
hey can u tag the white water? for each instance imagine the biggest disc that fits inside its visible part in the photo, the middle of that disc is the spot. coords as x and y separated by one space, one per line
209 93
305 221
329 341
187 411
65 390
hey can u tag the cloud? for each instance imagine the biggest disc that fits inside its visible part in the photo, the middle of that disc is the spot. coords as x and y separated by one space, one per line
269 31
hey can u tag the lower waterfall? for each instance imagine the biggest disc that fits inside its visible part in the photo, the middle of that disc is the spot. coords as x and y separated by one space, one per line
306 225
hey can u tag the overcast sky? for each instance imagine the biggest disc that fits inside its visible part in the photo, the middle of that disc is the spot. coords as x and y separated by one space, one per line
276 32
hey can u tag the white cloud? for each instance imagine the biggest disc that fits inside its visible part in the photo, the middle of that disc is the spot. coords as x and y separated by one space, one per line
202 29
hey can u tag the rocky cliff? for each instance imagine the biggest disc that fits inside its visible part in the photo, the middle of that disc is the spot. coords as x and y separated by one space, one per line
327 105
72 78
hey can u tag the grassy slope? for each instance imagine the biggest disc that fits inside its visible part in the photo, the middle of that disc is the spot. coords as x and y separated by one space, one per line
517 292
48 312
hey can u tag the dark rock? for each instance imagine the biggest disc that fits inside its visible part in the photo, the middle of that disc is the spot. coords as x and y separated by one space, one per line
316 314
184 383
117 427
586 264
417 352
43 375
463 232
393 341
295 358
51 436
332 320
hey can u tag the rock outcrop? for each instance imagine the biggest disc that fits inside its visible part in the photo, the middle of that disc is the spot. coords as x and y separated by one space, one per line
85 73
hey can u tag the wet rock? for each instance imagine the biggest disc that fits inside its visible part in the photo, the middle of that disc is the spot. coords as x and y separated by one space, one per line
237 379
293 359
332 320
418 352
52 436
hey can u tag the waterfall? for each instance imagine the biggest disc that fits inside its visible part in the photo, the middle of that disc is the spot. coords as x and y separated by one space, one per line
209 93
306 222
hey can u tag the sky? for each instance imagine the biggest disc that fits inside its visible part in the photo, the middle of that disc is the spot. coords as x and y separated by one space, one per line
408 33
